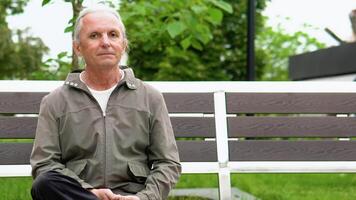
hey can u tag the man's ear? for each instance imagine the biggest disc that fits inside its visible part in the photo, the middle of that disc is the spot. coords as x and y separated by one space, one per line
76 48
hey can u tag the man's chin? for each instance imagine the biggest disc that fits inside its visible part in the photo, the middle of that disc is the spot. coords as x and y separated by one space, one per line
107 64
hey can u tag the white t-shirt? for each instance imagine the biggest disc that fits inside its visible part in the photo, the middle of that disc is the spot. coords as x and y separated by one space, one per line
102 96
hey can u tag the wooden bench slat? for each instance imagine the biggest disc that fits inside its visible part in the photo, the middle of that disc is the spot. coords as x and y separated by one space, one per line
25 127
291 103
18 127
249 150
189 151
197 151
15 153
189 102
20 102
193 127
29 102
292 126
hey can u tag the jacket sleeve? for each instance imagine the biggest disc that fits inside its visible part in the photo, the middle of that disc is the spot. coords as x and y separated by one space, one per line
46 153
162 154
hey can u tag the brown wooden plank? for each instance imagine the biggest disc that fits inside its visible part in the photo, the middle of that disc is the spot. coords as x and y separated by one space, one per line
292 126
249 150
25 127
193 127
15 153
197 151
189 102
20 102
189 151
291 102
18 127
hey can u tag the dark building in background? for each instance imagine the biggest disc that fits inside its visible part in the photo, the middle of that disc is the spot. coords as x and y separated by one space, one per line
332 64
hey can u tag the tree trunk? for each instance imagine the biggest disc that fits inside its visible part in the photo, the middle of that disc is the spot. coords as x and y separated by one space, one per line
77 6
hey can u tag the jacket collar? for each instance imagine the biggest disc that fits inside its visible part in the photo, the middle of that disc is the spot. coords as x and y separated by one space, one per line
129 79
73 79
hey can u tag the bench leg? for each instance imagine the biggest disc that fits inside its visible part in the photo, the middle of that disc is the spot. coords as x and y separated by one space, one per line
224 184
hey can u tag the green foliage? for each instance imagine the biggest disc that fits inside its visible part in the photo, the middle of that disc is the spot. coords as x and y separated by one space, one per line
20 54
11 7
54 68
44 2
24 56
170 40
206 40
277 45
188 40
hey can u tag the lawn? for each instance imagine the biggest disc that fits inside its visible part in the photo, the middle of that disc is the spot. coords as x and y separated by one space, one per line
298 186
264 186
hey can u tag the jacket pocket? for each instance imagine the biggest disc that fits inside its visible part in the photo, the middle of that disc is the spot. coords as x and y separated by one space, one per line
77 166
139 172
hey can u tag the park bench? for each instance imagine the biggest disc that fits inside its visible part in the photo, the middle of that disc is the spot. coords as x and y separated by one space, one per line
221 127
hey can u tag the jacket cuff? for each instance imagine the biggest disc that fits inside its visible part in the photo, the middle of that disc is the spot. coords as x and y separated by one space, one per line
86 185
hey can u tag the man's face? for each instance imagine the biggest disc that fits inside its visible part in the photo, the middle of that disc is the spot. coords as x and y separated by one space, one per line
101 42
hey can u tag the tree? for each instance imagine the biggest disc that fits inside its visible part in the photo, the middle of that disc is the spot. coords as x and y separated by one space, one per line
168 41
77 6
205 40
19 57
198 40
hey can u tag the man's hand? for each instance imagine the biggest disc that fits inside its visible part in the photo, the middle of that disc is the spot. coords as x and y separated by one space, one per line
106 194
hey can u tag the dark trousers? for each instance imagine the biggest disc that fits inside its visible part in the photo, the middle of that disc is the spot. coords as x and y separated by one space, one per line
53 185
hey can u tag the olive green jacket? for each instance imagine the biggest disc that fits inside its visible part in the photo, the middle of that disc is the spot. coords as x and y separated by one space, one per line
131 150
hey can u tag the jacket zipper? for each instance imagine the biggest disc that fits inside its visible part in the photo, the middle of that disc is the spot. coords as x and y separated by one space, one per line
105 135
105 149
104 145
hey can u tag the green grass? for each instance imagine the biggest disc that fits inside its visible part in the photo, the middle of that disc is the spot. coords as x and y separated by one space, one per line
15 188
264 186
198 181
298 186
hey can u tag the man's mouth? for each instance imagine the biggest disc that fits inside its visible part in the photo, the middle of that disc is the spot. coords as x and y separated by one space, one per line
106 54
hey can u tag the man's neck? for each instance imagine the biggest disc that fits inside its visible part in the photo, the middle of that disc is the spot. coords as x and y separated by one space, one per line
101 79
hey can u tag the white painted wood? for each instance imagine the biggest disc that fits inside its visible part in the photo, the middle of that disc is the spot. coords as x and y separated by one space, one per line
234 167
29 86
223 167
202 86
221 128
200 167
222 145
15 170
294 167
224 183
187 168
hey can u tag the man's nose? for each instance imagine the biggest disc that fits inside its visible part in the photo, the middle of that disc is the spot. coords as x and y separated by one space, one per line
105 41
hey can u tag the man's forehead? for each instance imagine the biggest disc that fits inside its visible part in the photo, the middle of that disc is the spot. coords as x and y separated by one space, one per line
100 17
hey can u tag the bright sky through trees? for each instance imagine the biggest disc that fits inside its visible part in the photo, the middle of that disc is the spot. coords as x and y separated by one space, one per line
49 22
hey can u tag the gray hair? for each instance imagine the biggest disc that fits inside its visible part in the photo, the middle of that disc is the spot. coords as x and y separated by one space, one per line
98 8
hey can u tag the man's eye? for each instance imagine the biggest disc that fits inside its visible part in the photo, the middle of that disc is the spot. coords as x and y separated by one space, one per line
94 35
114 34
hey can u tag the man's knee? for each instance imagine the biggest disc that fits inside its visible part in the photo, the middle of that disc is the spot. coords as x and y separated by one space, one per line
44 181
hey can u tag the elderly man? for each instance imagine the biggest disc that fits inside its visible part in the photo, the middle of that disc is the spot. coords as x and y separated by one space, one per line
104 134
